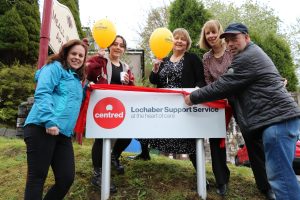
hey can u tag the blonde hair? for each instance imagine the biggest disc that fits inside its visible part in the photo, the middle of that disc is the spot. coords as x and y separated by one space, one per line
184 33
212 25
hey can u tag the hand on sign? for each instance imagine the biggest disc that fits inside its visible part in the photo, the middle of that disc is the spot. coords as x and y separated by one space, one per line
90 83
187 100
285 82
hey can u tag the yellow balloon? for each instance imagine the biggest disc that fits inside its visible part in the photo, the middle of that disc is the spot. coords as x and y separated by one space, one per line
161 42
104 33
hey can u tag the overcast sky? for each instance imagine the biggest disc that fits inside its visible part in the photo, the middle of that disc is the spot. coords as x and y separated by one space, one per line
128 15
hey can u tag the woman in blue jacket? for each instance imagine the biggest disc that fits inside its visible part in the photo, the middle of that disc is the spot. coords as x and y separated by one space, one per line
49 125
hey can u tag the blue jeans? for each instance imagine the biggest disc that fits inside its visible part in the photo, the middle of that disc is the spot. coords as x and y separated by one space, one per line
279 144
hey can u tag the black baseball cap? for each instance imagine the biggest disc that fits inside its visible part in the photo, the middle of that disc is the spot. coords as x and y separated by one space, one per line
235 28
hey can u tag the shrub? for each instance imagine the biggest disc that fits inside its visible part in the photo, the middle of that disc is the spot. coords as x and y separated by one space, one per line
16 85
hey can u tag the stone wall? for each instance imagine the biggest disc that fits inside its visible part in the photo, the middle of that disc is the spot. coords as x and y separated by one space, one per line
8 132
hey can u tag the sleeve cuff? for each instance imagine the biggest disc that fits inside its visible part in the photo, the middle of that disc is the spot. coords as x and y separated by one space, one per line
192 98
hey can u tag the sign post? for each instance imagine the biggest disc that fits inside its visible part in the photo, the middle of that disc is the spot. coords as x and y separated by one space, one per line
45 33
106 158
201 172
137 114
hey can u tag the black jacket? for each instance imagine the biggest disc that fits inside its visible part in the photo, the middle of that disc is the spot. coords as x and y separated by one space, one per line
192 75
260 97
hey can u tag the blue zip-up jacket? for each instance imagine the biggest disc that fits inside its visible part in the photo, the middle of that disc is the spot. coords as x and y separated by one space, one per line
57 98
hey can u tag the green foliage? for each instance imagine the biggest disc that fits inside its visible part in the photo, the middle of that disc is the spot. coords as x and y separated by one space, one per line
160 178
30 16
279 51
5 6
294 37
19 31
13 37
157 17
191 15
259 18
74 7
224 12
16 85
263 27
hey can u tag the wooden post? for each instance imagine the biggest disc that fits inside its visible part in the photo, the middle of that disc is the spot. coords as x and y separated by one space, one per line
45 33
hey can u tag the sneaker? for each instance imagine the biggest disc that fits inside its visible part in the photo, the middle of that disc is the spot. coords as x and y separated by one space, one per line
96 181
269 194
222 189
116 163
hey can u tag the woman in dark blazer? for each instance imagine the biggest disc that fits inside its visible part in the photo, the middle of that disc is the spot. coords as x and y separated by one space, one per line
180 70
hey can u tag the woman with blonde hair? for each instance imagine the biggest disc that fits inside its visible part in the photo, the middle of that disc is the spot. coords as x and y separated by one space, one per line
215 63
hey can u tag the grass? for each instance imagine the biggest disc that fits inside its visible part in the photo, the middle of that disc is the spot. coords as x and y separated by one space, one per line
160 178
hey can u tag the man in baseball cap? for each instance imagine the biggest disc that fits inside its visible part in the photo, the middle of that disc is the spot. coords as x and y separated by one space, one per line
235 28
237 37
264 110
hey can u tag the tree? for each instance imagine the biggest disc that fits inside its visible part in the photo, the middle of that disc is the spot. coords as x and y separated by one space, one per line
16 15
279 51
257 17
191 15
13 37
157 17
5 6
30 16
263 27
74 7
293 34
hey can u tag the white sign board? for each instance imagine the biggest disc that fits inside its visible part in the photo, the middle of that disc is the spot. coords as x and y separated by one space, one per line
129 114
63 26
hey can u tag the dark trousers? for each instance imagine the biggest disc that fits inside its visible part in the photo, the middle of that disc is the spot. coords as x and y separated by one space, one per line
256 156
43 151
218 153
219 161
97 148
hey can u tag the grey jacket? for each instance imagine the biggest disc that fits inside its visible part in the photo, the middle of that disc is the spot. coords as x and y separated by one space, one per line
256 87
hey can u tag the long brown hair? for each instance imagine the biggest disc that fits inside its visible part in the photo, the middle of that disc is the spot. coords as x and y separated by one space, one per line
62 55
122 38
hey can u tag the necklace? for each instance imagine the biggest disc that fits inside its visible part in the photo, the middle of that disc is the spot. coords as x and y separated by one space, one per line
173 67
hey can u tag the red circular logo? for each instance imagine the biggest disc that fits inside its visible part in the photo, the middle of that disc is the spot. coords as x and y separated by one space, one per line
109 113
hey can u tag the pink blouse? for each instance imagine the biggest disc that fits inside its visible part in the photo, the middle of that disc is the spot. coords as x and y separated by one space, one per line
215 67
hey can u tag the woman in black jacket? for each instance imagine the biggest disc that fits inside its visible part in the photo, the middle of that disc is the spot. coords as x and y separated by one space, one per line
180 70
